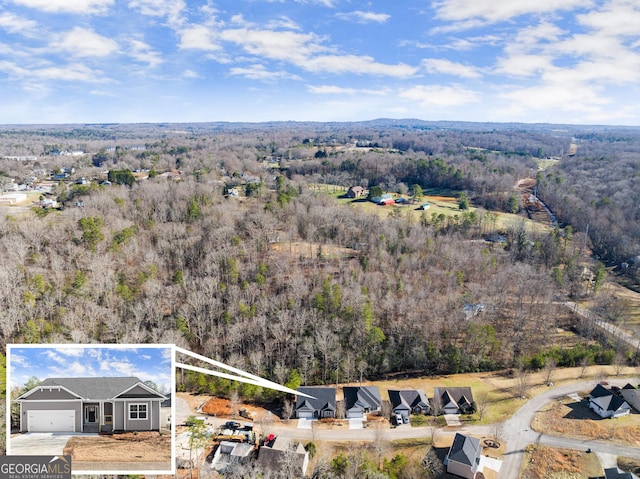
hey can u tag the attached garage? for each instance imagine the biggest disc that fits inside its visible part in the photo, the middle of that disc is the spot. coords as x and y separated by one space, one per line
63 420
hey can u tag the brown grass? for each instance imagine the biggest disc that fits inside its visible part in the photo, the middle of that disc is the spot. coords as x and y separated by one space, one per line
552 463
129 447
568 418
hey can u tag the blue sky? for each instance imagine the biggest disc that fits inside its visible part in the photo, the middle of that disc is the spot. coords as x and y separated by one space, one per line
147 363
563 61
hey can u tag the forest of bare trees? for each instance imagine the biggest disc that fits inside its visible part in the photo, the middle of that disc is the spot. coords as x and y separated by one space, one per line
170 260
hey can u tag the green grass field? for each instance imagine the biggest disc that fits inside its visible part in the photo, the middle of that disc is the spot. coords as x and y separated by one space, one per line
443 202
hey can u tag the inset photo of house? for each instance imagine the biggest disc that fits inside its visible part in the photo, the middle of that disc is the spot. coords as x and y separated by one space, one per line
107 406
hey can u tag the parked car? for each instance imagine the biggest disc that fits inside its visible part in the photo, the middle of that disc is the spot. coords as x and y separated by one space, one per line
398 419
233 425
405 419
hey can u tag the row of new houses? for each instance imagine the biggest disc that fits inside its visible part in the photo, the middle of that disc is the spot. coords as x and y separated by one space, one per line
362 400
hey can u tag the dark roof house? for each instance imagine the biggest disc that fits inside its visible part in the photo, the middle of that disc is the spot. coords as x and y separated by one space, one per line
615 473
321 404
463 458
607 404
631 395
278 455
408 401
450 400
90 405
361 400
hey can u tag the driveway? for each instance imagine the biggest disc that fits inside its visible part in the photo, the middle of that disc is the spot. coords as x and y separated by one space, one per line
40 443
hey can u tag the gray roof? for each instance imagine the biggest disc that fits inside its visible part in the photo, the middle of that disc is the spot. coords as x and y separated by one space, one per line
460 395
322 398
465 449
94 388
409 398
363 397
606 399
615 473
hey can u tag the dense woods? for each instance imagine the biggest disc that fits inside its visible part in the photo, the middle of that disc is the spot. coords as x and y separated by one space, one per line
286 282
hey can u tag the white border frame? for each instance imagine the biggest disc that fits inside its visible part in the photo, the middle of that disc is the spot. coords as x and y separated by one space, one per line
171 347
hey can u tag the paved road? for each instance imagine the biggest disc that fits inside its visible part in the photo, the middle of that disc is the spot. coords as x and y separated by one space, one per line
518 434
615 331
516 431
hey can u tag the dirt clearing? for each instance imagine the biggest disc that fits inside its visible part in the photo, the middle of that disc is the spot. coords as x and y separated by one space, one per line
129 447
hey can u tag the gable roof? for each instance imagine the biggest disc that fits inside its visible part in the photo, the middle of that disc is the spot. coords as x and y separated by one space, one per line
460 396
408 398
321 398
97 388
362 397
465 450
607 400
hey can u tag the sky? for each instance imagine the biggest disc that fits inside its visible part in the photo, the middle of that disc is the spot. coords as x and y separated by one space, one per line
55 361
128 61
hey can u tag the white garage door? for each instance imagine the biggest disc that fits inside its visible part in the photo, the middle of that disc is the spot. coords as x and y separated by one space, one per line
51 421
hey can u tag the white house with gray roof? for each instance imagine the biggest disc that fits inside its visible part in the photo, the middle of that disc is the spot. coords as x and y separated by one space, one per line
90 405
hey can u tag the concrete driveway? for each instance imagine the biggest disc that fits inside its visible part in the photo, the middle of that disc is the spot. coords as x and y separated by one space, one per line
40 443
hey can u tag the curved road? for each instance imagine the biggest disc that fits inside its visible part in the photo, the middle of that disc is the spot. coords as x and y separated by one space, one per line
516 431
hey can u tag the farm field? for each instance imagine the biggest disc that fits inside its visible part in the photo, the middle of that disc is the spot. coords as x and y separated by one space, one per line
444 203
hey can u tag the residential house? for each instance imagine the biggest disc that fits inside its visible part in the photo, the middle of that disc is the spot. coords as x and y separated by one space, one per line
632 396
463 458
90 405
355 192
321 404
606 403
361 400
409 401
279 455
457 400
615 473
229 454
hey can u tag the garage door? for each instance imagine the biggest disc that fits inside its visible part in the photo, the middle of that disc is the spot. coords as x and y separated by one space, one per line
51 421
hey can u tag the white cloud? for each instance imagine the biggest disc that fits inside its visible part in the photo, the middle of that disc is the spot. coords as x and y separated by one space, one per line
259 72
364 17
79 369
199 37
68 6
439 95
73 352
15 24
357 65
496 11
83 43
190 74
337 90
75 72
283 22
568 97
121 367
618 17
142 52
446 67
172 9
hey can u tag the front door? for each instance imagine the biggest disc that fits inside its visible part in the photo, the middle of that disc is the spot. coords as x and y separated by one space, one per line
90 414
